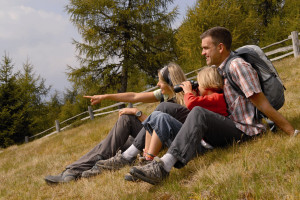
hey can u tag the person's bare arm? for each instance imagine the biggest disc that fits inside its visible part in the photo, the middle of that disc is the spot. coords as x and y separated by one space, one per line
146 97
132 111
263 105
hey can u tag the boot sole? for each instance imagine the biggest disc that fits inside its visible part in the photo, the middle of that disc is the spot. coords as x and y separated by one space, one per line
50 182
129 177
53 182
90 175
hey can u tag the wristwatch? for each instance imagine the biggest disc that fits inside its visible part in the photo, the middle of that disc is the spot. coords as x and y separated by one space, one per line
138 113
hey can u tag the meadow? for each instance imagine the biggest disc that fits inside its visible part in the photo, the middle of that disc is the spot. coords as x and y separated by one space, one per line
265 168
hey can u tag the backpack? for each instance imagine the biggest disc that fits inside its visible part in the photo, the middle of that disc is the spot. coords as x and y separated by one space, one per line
270 82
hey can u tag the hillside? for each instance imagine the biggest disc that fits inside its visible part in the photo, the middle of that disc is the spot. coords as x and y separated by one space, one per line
266 168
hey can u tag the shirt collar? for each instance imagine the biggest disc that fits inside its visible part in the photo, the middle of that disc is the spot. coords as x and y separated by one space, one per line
223 63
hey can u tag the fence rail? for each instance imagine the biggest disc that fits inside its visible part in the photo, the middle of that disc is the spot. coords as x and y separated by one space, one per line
293 49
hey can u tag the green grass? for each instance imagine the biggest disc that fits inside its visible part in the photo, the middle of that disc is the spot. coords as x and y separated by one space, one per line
265 168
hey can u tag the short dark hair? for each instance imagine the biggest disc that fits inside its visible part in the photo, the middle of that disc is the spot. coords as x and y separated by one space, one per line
219 35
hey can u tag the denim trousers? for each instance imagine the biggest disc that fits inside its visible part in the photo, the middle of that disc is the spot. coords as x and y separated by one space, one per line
175 110
165 126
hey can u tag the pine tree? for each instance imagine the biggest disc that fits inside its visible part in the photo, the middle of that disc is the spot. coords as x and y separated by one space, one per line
120 36
13 119
34 91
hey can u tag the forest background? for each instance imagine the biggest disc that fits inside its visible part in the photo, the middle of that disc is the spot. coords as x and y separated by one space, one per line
123 45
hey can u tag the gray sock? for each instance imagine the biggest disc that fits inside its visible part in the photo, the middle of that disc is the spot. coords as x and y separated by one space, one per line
169 161
131 153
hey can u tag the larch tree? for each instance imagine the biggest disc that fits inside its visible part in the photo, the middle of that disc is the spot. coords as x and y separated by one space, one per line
120 39
259 22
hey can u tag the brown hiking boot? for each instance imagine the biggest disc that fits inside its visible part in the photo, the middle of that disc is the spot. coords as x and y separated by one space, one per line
152 173
65 177
92 172
114 163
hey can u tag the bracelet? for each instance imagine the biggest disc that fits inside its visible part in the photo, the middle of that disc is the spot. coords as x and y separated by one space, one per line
296 132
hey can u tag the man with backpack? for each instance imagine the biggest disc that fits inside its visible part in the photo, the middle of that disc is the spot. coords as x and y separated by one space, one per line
242 123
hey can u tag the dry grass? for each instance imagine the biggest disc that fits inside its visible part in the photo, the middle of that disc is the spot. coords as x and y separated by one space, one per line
266 168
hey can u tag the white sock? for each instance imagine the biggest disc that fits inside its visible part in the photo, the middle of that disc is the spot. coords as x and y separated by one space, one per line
169 161
131 153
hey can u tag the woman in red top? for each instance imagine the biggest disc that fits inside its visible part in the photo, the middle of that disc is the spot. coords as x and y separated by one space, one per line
162 128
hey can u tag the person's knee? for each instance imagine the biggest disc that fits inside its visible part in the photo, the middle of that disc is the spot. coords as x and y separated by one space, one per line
155 114
122 117
125 118
199 112
163 107
162 116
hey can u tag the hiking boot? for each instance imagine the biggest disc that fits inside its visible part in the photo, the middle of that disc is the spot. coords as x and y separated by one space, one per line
114 163
94 171
129 177
141 161
65 177
152 173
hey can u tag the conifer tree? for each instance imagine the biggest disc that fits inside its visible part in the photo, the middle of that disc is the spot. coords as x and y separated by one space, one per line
34 92
13 118
259 22
283 23
119 37
207 14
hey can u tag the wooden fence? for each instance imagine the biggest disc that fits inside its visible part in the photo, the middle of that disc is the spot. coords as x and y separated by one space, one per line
282 52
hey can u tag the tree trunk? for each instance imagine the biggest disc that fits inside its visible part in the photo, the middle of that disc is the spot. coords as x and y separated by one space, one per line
124 78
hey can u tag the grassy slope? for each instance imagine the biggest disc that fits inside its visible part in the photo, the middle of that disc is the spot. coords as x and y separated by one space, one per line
266 168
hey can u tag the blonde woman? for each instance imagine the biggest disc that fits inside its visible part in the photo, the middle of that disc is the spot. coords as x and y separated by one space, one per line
128 125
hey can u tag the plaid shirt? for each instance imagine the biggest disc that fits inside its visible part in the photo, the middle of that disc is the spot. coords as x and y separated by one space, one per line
241 110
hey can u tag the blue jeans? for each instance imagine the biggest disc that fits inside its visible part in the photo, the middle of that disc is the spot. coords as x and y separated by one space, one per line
165 126
175 110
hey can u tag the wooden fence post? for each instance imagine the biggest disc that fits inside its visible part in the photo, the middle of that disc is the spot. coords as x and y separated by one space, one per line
26 139
295 41
90 109
57 125
130 105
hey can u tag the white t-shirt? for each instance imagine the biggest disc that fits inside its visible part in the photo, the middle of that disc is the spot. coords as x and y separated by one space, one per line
158 95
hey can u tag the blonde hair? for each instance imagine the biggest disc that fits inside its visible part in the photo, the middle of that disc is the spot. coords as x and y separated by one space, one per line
209 78
177 76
